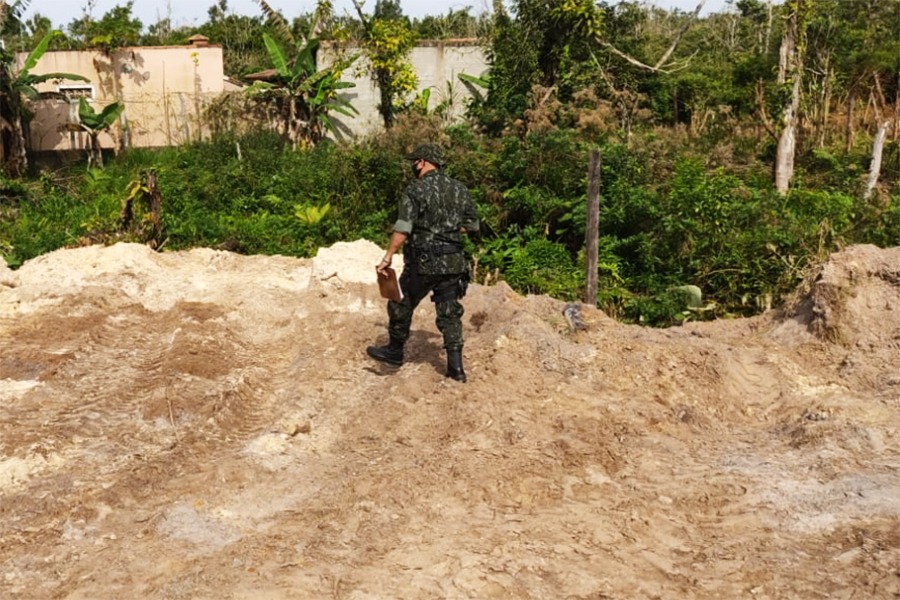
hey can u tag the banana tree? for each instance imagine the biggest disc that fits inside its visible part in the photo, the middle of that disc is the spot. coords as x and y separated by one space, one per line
17 88
96 123
477 86
306 96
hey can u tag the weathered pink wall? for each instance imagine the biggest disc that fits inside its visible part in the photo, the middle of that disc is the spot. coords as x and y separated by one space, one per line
164 90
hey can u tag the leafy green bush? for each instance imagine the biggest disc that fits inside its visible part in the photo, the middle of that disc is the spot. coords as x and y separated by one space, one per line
545 267
666 219
38 226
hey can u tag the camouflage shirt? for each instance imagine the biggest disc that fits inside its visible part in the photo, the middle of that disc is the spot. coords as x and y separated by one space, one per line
433 209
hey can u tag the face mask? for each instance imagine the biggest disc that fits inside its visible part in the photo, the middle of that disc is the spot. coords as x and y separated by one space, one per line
416 170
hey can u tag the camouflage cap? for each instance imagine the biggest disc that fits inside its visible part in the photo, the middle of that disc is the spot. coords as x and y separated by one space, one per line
430 152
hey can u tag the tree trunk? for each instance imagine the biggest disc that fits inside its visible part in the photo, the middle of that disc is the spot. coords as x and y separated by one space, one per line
877 151
851 102
295 126
13 153
155 199
787 143
593 228
16 156
826 103
675 106
123 127
116 70
387 102
762 123
789 71
822 109
897 110
96 151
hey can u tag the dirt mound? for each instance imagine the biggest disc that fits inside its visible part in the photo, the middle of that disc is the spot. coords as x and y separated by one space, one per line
205 425
854 298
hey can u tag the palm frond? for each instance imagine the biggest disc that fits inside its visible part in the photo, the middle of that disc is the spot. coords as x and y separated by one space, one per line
277 56
29 79
305 62
277 21
35 55
14 11
111 112
345 110
18 8
311 82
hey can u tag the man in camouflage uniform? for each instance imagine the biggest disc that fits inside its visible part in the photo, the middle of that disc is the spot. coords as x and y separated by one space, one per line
434 211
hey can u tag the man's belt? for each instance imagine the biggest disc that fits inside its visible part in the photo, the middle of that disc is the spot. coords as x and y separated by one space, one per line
442 249
437 249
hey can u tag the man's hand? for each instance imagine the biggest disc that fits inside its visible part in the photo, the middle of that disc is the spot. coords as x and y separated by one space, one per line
384 264
397 240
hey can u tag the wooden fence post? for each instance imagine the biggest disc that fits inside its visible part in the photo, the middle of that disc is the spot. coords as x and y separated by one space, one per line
593 227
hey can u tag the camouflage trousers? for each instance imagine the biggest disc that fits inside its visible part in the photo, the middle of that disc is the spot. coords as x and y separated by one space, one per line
415 287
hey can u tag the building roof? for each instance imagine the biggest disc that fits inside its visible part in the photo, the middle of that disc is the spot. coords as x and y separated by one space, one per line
267 75
198 40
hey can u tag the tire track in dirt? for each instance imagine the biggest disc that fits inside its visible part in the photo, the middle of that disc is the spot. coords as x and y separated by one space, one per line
155 392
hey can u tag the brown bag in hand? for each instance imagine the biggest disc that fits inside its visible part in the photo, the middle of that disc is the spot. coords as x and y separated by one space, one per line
388 285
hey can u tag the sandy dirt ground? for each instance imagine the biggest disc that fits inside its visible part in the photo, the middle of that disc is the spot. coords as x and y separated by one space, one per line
204 425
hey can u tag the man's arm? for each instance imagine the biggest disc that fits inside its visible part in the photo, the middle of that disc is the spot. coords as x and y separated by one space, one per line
470 222
402 228
398 238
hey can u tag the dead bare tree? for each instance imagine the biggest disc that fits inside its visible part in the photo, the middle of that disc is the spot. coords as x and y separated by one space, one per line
877 152
884 123
790 73
662 63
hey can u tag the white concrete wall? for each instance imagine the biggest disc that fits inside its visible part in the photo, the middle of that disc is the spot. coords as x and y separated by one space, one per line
165 90
437 65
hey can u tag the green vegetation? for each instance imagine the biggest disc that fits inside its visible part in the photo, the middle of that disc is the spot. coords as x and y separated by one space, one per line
742 244
306 95
388 39
17 87
690 117
95 123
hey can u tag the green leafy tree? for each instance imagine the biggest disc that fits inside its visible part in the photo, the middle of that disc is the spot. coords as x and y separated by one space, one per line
115 29
11 22
753 65
387 40
240 37
20 34
16 89
455 24
543 42
513 60
700 95
559 32
868 57
96 123
162 33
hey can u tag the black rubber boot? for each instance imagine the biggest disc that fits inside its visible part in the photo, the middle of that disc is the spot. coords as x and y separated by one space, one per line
455 366
391 354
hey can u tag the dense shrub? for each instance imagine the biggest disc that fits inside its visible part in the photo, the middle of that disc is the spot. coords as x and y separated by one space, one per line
668 222
544 267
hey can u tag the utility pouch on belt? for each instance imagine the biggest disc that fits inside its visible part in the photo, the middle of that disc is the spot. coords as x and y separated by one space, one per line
423 256
463 284
439 259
